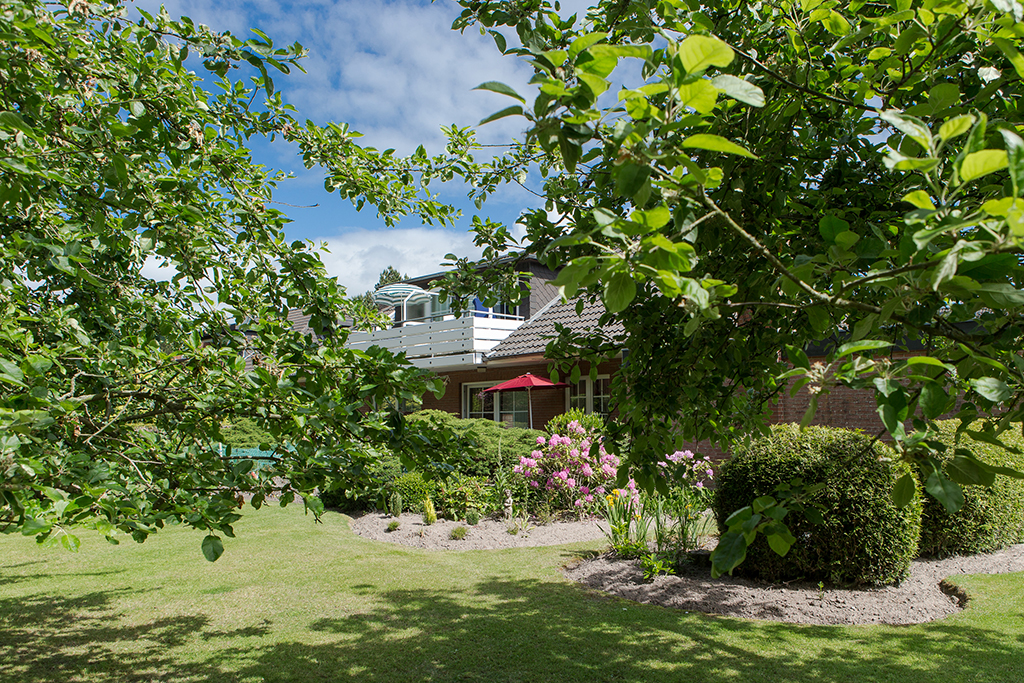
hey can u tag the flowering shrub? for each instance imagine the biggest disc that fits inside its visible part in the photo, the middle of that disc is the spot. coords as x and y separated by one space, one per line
679 517
569 470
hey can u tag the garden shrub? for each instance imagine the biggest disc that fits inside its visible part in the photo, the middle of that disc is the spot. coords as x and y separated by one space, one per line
413 489
992 517
458 493
395 504
865 538
491 444
243 432
563 467
559 424
364 485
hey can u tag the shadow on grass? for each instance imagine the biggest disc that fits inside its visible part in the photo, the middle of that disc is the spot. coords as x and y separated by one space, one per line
500 630
51 638
525 631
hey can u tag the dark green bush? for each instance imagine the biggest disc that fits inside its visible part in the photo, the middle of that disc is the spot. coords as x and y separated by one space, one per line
991 517
364 486
488 439
413 489
244 433
865 539
589 421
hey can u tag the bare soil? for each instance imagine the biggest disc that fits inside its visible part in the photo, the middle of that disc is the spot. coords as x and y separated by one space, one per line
924 596
489 534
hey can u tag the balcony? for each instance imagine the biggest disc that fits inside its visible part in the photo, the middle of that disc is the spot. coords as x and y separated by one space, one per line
442 343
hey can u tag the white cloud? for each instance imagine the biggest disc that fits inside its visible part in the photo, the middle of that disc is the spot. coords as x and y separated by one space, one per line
392 69
357 257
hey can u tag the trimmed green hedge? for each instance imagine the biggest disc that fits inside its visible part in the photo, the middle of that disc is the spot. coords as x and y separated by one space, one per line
488 435
865 539
991 518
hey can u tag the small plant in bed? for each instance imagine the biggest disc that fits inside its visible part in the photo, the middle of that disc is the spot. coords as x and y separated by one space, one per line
472 517
459 533
429 513
393 525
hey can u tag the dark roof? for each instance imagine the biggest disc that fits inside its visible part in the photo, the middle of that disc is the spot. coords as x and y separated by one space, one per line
300 322
533 336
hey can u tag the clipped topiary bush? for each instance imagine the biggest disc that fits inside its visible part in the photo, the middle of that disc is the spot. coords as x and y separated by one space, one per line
488 438
992 517
865 539
413 489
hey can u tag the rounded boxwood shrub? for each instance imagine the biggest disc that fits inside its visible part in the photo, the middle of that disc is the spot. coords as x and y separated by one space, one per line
413 489
865 539
992 517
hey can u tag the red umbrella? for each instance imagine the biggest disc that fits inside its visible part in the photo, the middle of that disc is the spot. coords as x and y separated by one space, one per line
526 382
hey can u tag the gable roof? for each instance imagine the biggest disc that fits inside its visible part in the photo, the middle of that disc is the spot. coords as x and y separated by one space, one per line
533 336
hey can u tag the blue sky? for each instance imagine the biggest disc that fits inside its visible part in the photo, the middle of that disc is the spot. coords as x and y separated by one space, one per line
395 71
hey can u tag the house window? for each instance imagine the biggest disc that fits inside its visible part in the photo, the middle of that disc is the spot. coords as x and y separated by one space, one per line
591 396
508 407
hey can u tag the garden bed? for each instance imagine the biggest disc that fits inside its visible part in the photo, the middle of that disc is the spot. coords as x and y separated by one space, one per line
488 534
924 596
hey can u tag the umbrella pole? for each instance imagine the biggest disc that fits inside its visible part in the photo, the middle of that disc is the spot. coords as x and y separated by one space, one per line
529 402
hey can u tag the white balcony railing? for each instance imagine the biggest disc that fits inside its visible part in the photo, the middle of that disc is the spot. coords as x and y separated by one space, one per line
444 344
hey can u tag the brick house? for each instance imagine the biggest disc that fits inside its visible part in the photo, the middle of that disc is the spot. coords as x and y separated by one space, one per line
485 346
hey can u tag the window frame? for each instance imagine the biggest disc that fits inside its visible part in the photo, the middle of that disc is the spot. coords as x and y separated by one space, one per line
497 410
589 400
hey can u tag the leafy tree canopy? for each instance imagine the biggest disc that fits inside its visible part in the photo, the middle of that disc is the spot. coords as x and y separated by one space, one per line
113 155
781 173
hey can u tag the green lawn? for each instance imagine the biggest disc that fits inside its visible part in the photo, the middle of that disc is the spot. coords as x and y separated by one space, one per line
294 601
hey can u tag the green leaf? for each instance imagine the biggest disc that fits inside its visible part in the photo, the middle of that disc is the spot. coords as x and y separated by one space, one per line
136 108
583 42
904 491
70 542
964 470
630 178
829 226
715 143
699 95
956 126
514 110
619 292
945 491
797 357
501 89
863 345
1012 54
697 53
729 553
779 543
991 388
739 89
920 199
836 24
1015 159
213 548
912 127
982 163
13 121
933 400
